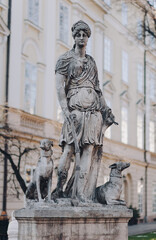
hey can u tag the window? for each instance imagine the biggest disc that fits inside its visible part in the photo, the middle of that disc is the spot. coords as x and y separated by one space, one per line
124 124
29 172
154 197
108 2
108 98
152 3
89 44
140 129
30 88
152 86
107 54
124 66
140 196
140 78
139 30
63 22
151 136
89 47
33 11
124 14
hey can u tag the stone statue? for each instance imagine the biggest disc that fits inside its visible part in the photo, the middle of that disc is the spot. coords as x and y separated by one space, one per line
110 192
86 118
41 184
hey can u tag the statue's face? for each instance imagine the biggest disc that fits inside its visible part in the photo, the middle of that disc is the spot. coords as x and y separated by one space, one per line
81 39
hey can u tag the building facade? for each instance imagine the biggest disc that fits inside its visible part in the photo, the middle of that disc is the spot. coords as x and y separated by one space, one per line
123 47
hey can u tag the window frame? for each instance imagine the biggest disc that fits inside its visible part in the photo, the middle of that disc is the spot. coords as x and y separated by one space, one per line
30 81
66 25
31 18
32 167
124 139
124 8
140 196
125 66
140 114
108 2
140 78
152 136
108 98
107 54
152 82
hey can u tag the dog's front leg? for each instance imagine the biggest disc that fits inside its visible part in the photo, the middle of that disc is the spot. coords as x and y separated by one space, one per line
38 188
115 202
49 187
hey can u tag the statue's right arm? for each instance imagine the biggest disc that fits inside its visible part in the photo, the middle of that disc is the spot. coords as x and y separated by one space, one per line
60 80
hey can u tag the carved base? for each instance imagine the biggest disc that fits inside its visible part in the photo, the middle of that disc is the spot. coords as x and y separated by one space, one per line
55 222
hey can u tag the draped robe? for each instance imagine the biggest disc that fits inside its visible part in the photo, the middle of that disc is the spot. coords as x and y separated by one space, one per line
83 99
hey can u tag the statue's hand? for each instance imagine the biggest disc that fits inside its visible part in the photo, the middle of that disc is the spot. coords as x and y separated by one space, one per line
67 115
108 117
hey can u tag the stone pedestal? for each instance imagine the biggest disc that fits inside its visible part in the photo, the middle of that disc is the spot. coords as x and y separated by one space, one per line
52 222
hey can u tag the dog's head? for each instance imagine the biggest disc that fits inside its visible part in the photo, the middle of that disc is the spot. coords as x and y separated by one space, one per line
46 144
119 166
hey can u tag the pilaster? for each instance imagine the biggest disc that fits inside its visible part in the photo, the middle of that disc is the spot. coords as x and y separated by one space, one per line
2 68
15 54
99 33
49 99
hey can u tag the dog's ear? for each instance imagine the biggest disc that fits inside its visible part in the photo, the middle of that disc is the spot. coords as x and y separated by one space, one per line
52 143
113 166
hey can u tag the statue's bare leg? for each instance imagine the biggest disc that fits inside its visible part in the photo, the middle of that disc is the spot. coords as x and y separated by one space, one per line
64 165
93 172
85 167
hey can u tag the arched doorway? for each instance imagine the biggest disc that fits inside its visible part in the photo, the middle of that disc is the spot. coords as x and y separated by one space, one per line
127 188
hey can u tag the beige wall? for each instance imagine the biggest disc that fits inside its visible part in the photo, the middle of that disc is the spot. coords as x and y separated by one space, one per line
41 46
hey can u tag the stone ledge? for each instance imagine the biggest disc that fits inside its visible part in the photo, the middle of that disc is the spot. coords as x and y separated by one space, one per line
52 221
56 211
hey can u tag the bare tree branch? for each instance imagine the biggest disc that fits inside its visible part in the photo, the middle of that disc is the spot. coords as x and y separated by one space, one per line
16 170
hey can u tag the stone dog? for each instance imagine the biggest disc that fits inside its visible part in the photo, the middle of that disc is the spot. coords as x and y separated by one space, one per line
110 192
41 184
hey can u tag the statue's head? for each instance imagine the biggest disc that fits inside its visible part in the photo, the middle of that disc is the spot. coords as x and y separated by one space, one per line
80 25
46 144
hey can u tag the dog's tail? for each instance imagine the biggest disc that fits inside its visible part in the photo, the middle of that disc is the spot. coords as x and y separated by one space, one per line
96 194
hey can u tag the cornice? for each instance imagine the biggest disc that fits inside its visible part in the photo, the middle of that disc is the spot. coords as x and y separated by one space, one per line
77 6
102 5
123 30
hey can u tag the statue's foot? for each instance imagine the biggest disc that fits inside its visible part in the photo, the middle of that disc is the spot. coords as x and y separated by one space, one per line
41 200
57 193
49 200
84 199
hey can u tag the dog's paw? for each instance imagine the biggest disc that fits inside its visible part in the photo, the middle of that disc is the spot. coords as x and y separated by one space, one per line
41 200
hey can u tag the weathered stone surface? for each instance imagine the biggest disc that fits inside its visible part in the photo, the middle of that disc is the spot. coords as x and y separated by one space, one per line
40 186
97 222
110 192
86 118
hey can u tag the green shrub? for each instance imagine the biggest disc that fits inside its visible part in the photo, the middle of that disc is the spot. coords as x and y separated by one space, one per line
136 215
